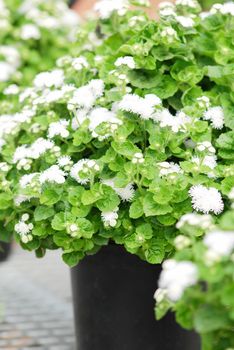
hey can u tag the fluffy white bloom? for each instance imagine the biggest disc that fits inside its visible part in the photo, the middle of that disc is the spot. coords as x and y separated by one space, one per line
27 180
87 95
11 54
126 61
167 168
216 116
4 167
30 31
55 78
34 151
125 193
110 218
102 115
169 33
185 21
53 174
24 229
65 161
176 123
12 90
206 199
79 63
194 219
166 8
58 129
144 107
220 243
82 170
176 277
209 161
105 8
6 71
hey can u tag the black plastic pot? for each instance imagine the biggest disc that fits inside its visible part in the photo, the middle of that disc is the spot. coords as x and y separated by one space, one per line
114 307
5 251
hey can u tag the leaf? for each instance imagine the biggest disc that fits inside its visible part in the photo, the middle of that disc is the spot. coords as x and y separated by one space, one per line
155 252
209 318
51 194
73 258
58 222
151 208
42 213
5 200
136 209
109 200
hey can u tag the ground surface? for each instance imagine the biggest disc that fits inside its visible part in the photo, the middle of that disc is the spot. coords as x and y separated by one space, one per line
35 303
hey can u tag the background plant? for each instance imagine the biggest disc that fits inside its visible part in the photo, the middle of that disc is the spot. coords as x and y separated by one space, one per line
131 141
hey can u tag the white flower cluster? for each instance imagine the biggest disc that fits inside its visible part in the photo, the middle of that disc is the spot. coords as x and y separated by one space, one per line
53 174
83 170
105 8
30 31
79 63
86 96
142 106
138 158
10 63
225 9
126 61
216 116
58 129
204 222
169 168
110 218
125 193
177 123
24 229
206 199
100 115
55 78
175 278
203 102
169 9
219 244
206 147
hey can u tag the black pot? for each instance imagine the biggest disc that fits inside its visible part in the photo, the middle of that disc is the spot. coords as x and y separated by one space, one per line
5 250
114 307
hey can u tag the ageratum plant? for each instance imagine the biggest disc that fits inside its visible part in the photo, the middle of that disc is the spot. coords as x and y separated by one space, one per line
33 35
131 142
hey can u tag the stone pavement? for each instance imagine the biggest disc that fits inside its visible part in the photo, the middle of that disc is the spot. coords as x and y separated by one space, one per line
35 303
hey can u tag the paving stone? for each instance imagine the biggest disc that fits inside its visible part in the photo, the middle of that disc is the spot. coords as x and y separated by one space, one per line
35 304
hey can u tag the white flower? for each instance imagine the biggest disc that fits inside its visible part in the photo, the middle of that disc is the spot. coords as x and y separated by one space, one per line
220 243
6 71
27 180
34 151
144 107
225 9
169 33
166 8
105 8
12 90
194 219
4 167
83 169
126 61
167 168
216 116
65 161
176 123
176 277
138 158
53 174
209 161
86 95
185 21
79 63
30 31
189 3
110 218
160 295
102 115
231 194
206 199
24 229
54 78
21 198
125 193
58 129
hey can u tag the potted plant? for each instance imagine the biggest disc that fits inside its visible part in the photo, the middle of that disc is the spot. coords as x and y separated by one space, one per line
132 149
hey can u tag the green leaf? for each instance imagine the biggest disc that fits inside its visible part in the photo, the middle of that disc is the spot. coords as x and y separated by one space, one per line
109 200
51 194
151 208
73 258
42 213
209 318
136 209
